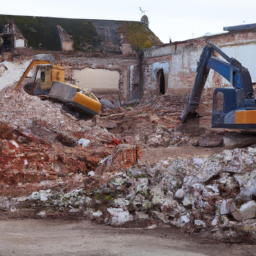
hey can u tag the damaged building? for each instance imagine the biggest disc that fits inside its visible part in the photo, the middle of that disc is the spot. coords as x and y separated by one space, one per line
94 48
171 68
130 163
122 60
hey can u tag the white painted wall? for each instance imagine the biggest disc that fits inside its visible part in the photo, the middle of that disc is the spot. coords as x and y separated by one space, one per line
246 54
13 72
96 78
19 43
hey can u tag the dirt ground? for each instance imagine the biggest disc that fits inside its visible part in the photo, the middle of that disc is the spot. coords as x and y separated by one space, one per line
65 238
153 155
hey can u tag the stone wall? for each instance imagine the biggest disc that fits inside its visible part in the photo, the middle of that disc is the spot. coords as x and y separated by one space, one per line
127 68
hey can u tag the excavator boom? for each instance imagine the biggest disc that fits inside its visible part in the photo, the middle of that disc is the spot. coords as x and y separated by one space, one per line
31 65
37 60
238 101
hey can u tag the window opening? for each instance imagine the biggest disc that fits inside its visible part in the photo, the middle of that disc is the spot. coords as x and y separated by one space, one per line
42 76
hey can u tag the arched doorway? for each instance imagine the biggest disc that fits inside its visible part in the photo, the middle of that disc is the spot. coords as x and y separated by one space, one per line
161 81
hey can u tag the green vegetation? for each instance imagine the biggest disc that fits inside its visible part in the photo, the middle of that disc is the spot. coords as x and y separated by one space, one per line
138 35
42 32
108 198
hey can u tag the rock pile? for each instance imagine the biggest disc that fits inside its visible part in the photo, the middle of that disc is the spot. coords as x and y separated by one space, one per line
214 195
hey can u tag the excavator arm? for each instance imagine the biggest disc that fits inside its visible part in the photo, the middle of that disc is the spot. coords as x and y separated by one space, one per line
31 65
38 59
237 75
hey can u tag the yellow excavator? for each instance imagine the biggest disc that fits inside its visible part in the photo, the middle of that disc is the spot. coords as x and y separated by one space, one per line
49 81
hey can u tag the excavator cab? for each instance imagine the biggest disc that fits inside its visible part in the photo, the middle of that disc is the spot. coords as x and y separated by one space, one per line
49 81
43 79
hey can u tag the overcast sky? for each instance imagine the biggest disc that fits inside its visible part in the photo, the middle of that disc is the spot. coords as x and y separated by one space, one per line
178 19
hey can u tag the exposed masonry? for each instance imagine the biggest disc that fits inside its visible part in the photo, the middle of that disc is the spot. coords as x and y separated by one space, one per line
164 69
128 76
182 58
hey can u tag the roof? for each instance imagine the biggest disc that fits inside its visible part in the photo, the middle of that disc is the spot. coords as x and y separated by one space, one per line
87 35
240 27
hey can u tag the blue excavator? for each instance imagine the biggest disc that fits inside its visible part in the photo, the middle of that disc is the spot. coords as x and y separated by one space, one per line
237 109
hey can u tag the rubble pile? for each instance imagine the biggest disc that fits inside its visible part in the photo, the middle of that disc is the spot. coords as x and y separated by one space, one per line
56 164
44 146
152 123
213 195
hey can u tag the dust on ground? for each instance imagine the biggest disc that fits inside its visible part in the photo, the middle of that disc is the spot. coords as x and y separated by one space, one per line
77 238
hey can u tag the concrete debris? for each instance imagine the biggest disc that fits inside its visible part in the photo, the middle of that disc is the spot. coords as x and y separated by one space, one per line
237 140
210 141
127 196
84 142
179 194
54 163
105 104
246 211
227 206
199 224
118 216
91 173
97 214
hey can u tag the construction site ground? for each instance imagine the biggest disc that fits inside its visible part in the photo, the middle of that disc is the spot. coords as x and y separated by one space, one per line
79 238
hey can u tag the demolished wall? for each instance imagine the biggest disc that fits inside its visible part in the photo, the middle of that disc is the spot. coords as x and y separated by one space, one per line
182 58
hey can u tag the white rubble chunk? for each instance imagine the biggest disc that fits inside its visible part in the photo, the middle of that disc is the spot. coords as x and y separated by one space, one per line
13 72
224 221
158 195
119 216
182 221
246 211
121 202
14 143
142 185
34 196
214 188
227 206
44 194
91 173
84 142
21 199
198 161
88 200
199 224
42 214
247 183
74 210
189 199
97 214
227 155
152 226
215 221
